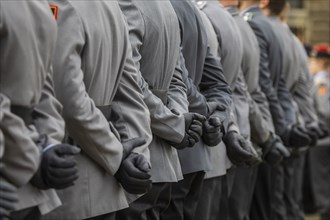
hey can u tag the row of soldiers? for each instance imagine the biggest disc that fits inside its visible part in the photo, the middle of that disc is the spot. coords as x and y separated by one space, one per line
158 110
316 190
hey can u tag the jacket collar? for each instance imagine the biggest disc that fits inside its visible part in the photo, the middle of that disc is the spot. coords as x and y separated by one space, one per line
232 10
252 9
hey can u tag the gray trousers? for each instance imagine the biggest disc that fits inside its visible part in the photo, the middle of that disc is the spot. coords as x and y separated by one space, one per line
240 198
184 197
319 160
26 214
210 201
293 182
150 206
268 202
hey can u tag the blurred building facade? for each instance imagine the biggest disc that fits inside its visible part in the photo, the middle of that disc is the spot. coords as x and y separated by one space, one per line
310 20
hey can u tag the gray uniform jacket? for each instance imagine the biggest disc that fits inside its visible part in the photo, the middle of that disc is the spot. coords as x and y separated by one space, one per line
155 38
26 52
219 159
271 73
299 80
289 65
206 82
259 114
94 71
231 53
18 144
321 95
5 107
303 94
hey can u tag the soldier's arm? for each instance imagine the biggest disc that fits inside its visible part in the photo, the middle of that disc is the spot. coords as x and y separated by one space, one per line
131 115
260 129
21 157
177 94
84 121
164 123
266 82
197 101
303 96
232 121
47 115
3 100
286 101
215 88
213 57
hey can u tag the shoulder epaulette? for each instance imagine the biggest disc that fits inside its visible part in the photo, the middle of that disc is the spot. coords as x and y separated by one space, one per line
248 16
201 4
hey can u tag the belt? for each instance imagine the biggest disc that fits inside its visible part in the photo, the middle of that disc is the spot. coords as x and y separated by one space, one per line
23 112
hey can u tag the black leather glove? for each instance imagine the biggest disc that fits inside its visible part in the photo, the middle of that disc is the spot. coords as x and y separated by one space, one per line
8 198
213 131
314 132
256 159
239 150
296 137
133 174
274 151
258 151
193 130
58 168
325 129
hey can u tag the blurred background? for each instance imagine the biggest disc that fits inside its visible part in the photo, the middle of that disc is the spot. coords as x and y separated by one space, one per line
310 20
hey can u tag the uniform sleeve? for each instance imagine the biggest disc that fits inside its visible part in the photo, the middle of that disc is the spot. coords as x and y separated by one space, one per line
286 101
322 100
260 129
2 140
47 114
260 116
232 122
132 117
21 156
164 123
219 91
84 121
197 101
2 143
214 86
303 96
266 82
177 94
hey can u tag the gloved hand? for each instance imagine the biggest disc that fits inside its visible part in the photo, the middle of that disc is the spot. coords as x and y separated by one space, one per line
314 132
274 151
325 129
213 131
129 145
239 150
212 107
58 168
8 198
133 174
256 159
193 130
296 137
